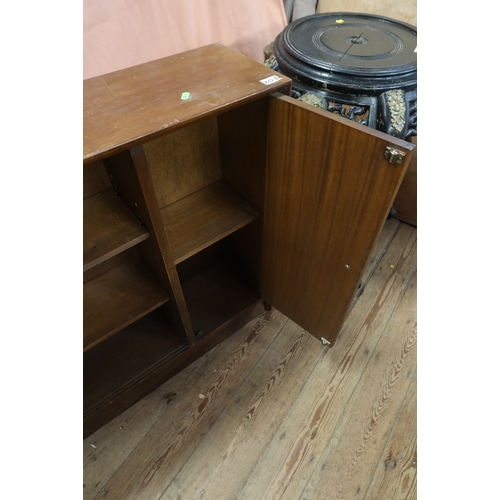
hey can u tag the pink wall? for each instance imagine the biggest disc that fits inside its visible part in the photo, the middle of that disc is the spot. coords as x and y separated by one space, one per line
405 11
122 33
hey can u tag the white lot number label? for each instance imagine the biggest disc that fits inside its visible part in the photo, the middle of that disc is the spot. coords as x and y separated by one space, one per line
271 79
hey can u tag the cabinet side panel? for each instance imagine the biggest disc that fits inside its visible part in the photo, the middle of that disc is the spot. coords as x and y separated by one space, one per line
405 202
184 161
243 149
329 190
243 139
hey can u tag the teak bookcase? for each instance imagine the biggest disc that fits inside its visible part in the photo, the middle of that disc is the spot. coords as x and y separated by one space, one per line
210 194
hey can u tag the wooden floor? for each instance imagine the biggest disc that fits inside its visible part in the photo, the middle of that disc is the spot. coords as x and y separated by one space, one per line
273 414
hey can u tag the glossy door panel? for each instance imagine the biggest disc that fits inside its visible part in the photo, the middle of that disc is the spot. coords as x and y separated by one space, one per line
329 188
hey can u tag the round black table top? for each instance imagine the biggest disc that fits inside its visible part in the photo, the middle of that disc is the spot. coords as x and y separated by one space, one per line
340 49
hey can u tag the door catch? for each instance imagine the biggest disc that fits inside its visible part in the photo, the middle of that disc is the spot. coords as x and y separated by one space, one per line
324 341
394 155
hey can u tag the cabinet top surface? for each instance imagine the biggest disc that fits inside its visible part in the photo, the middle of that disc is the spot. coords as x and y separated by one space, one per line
131 106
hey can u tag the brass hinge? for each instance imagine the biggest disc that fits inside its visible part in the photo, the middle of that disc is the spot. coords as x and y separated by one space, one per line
394 155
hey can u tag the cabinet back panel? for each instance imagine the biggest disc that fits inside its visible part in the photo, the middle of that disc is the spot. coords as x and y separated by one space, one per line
95 179
184 161
108 264
201 261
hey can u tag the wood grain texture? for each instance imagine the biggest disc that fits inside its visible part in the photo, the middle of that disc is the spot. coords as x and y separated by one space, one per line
203 218
396 474
117 298
296 452
385 238
109 263
128 107
405 202
131 178
352 448
154 463
281 412
95 179
184 161
115 364
329 190
243 149
252 419
109 228
161 358
126 431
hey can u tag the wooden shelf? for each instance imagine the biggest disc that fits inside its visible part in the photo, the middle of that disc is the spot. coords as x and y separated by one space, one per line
109 228
116 364
117 298
216 295
202 218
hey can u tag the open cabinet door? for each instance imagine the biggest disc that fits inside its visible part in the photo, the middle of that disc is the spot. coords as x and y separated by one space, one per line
329 189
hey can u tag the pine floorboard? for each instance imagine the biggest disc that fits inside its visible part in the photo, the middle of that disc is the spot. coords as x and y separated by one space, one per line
271 413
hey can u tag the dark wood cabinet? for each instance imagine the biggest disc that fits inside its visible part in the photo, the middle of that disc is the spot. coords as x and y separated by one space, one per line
209 191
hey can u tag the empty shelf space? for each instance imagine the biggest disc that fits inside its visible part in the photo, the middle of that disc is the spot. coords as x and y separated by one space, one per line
216 295
117 298
109 227
204 217
120 362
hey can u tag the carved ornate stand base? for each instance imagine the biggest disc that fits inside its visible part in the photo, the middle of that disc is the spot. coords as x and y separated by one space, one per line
360 66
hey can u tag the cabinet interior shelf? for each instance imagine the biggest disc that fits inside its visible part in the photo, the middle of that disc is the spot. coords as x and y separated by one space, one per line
117 298
119 363
109 228
151 348
203 218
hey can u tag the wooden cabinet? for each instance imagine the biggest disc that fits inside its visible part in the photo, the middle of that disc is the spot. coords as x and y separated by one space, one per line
209 192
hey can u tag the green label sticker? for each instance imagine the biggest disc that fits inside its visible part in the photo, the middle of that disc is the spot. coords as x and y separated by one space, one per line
339 21
185 96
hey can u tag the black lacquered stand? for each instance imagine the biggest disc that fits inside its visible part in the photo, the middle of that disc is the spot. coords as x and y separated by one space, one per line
361 66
